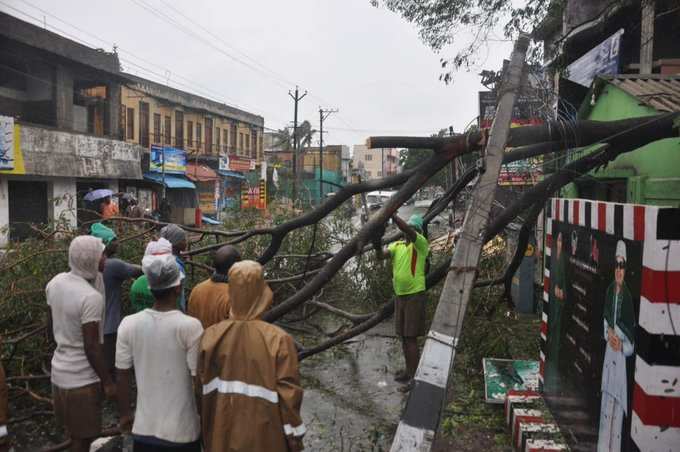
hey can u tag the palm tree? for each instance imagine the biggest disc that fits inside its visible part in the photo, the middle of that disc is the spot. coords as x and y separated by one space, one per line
305 134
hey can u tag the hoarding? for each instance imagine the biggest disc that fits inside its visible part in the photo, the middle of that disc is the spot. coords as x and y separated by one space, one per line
6 143
603 59
610 353
526 110
236 163
175 159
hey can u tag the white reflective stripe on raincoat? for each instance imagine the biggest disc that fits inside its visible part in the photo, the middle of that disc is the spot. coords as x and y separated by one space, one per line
300 430
3 431
239 387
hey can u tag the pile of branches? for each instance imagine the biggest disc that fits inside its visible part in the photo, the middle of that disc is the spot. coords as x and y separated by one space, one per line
315 267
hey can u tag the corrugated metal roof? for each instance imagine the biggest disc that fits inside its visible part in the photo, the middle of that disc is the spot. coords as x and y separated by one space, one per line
661 92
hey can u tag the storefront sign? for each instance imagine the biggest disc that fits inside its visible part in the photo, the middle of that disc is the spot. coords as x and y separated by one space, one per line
175 159
236 163
610 345
602 59
6 143
525 112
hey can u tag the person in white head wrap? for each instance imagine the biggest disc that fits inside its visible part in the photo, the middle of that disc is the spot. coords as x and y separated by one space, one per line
161 343
140 294
78 367
619 326
178 238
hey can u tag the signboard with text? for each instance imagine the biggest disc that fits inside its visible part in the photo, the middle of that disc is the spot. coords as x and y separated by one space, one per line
610 354
525 112
236 163
175 159
603 59
6 143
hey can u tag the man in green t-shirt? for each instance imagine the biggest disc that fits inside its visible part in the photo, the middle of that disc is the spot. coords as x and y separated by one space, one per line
408 280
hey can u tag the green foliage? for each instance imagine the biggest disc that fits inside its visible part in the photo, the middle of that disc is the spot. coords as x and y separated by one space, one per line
410 158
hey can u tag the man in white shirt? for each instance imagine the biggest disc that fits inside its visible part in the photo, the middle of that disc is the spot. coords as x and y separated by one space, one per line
78 366
161 343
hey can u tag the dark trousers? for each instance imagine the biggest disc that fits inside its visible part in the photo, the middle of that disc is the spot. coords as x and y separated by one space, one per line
110 353
138 446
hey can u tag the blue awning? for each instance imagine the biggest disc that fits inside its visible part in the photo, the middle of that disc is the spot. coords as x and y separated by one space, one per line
170 181
234 174
209 220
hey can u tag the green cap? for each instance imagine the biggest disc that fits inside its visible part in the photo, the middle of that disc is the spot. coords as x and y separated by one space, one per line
416 221
102 232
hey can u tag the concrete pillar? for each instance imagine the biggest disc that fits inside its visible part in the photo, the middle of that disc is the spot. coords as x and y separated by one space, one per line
4 211
63 97
63 202
113 108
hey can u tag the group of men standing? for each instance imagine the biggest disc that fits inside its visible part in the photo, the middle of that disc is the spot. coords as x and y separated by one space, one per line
210 375
240 373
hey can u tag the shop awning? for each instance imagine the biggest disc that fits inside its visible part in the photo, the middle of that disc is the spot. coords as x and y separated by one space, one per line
234 174
201 173
171 181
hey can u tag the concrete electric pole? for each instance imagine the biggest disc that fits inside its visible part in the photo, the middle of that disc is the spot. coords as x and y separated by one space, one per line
296 98
323 114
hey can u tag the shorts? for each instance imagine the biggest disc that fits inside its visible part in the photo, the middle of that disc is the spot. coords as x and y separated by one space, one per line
139 446
409 315
79 410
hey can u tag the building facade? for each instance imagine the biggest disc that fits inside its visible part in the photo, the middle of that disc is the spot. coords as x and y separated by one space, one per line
59 118
375 163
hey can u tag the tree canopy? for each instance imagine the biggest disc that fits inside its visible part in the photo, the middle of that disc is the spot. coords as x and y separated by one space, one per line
440 22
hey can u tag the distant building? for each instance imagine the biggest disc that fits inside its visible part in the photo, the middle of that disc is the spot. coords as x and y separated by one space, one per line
222 145
375 163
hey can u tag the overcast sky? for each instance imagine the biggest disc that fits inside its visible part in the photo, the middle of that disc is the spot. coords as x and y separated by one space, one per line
367 62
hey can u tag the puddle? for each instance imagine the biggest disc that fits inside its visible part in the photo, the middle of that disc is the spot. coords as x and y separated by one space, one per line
351 401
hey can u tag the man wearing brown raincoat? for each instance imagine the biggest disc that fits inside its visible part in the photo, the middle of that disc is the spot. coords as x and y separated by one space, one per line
249 372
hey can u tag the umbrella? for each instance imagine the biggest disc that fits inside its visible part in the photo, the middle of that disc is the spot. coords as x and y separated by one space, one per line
98 194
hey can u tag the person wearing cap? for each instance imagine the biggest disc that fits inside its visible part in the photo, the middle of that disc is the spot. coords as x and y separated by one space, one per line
408 280
116 272
209 300
618 331
178 238
161 344
250 374
79 370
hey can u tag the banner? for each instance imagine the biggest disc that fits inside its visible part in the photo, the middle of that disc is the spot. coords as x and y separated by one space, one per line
602 59
236 163
6 143
175 159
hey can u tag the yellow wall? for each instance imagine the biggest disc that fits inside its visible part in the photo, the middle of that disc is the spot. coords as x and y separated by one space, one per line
130 98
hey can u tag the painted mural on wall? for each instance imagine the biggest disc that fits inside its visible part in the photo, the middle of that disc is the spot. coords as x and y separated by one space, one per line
610 348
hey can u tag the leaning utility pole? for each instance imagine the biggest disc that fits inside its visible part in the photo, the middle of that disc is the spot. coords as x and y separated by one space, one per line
421 416
296 98
323 114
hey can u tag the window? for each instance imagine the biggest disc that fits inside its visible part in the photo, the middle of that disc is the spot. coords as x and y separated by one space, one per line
130 123
253 151
190 134
368 157
379 173
368 174
208 135
232 139
225 139
156 128
199 133
179 129
123 129
168 130
247 138
144 124
240 143
218 137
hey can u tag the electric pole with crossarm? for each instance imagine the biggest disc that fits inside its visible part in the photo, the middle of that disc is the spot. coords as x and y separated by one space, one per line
323 114
296 98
